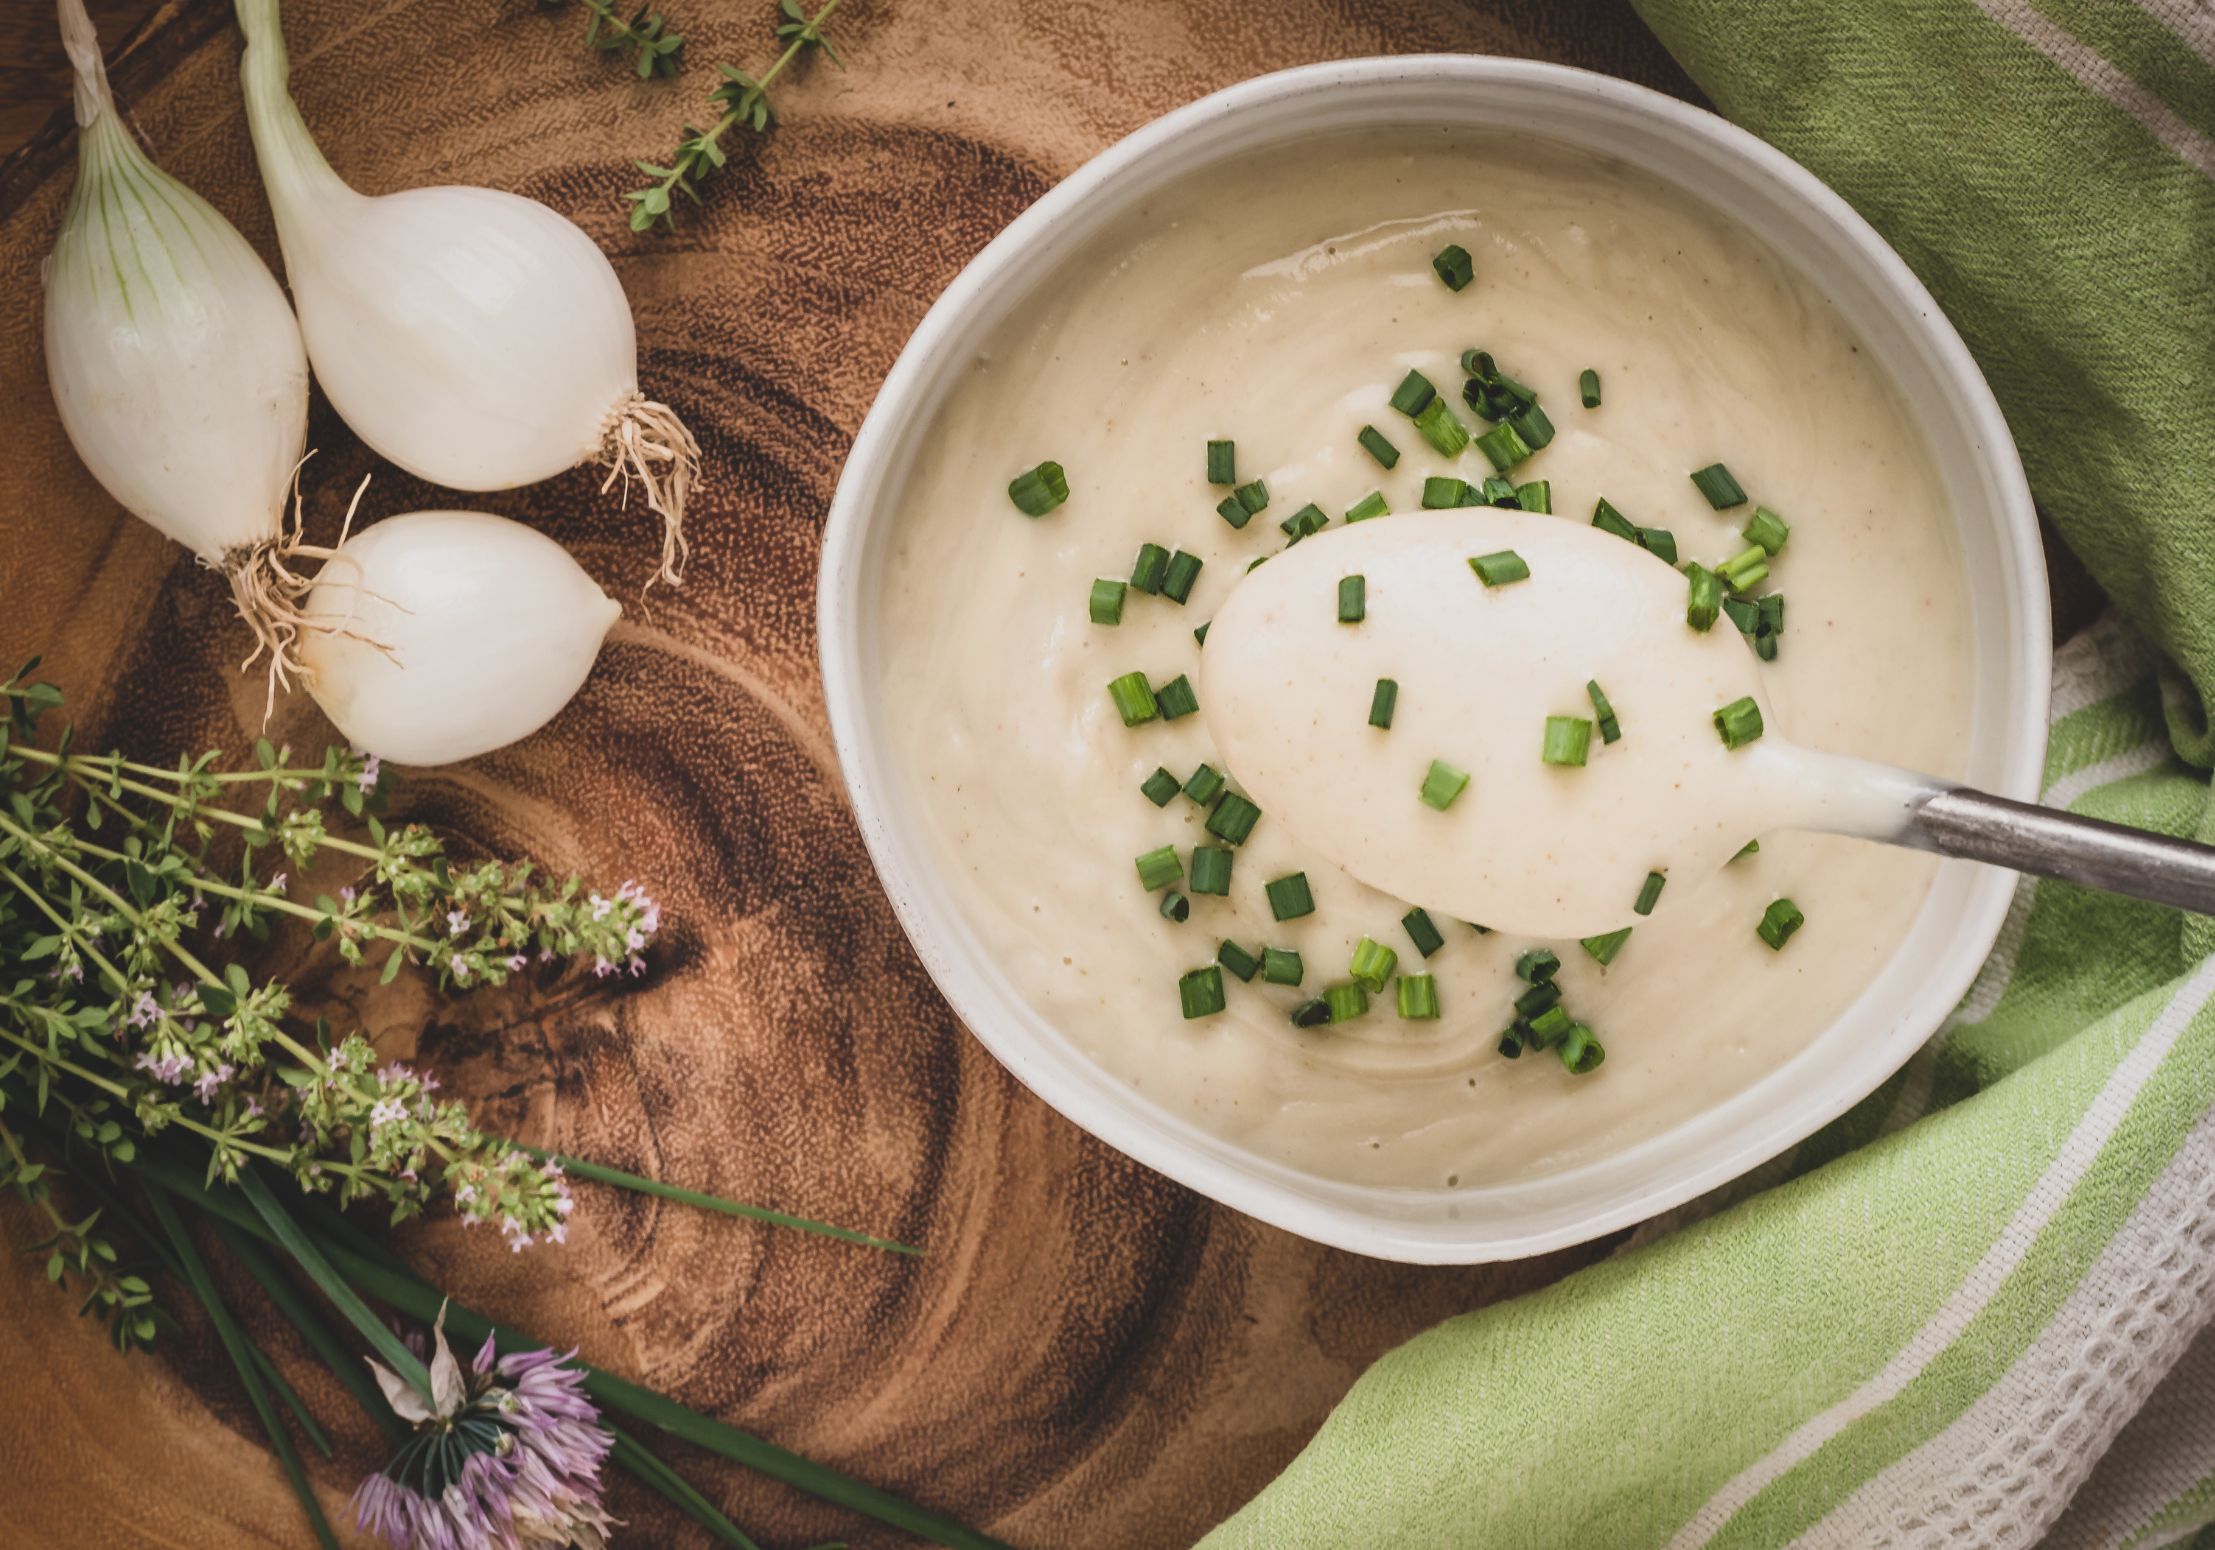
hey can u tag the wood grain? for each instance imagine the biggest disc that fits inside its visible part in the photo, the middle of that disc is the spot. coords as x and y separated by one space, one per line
1088 1355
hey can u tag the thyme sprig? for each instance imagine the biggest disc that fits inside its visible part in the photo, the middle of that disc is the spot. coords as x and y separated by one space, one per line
745 100
654 50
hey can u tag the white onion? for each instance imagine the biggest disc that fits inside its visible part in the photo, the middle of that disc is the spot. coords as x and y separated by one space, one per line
173 357
475 338
447 634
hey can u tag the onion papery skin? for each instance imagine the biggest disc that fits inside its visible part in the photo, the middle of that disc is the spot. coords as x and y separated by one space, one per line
454 633
174 359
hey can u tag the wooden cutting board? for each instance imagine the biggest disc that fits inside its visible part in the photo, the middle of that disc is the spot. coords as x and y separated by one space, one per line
1088 1355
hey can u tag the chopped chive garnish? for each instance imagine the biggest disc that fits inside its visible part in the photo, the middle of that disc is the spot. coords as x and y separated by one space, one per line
1441 491
1417 995
1454 266
1233 819
1442 784
1739 722
1772 612
1608 520
1373 442
1149 568
1745 570
1605 946
1175 698
1205 784
1767 529
1750 848
1353 599
1134 702
1236 959
1580 1052
1370 505
1159 868
1289 898
1256 563
1159 787
1659 542
1310 518
1511 1041
1532 425
1768 625
1568 740
1199 635
1588 387
1039 491
1175 906
1211 870
1253 495
1200 992
1502 447
1382 702
1372 964
1282 966
1497 570
1107 601
1704 599
1721 490
1441 429
1743 612
1549 1027
1649 893
1412 395
1222 462
1233 510
1491 391
1311 1013
1537 965
1346 1001
1497 491
1537 999
1778 922
1176 582
1417 924
1603 712
1538 495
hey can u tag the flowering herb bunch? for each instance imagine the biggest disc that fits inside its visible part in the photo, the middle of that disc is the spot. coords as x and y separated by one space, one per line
145 1072
115 895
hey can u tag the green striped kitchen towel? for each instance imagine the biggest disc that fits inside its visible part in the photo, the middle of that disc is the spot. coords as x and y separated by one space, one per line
1970 1313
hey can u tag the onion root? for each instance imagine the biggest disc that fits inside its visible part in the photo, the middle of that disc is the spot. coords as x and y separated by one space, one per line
644 440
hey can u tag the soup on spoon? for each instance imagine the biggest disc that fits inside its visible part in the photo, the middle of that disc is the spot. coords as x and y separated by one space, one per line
1512 718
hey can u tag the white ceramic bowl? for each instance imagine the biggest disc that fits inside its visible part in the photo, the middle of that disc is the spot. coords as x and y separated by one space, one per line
1897 321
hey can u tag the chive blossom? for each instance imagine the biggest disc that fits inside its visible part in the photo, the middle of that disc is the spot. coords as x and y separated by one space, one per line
1721 490
1568 739
1500 568
1289 897
1159 787
1353 599
1739 722
1382 702
1107 601
1442 784
1134 702
1200 992
1454 266
1417 924
1039 491
1373 442
1778 922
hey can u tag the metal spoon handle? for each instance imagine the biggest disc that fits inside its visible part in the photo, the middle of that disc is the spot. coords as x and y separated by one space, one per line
2050 843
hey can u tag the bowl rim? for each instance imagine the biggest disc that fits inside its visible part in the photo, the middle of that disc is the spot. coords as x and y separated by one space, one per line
840 605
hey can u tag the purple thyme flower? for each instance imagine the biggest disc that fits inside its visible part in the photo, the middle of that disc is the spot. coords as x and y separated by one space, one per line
279 883
529 1446
145 1011
168 1068
370 767
457 921
208 1083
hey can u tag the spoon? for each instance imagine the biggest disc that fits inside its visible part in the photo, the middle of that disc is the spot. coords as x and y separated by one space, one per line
1560 850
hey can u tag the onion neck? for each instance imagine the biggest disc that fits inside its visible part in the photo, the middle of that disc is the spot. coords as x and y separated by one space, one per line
292 165
82 45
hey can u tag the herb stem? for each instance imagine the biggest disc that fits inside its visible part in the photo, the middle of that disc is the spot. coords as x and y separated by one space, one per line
741 109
